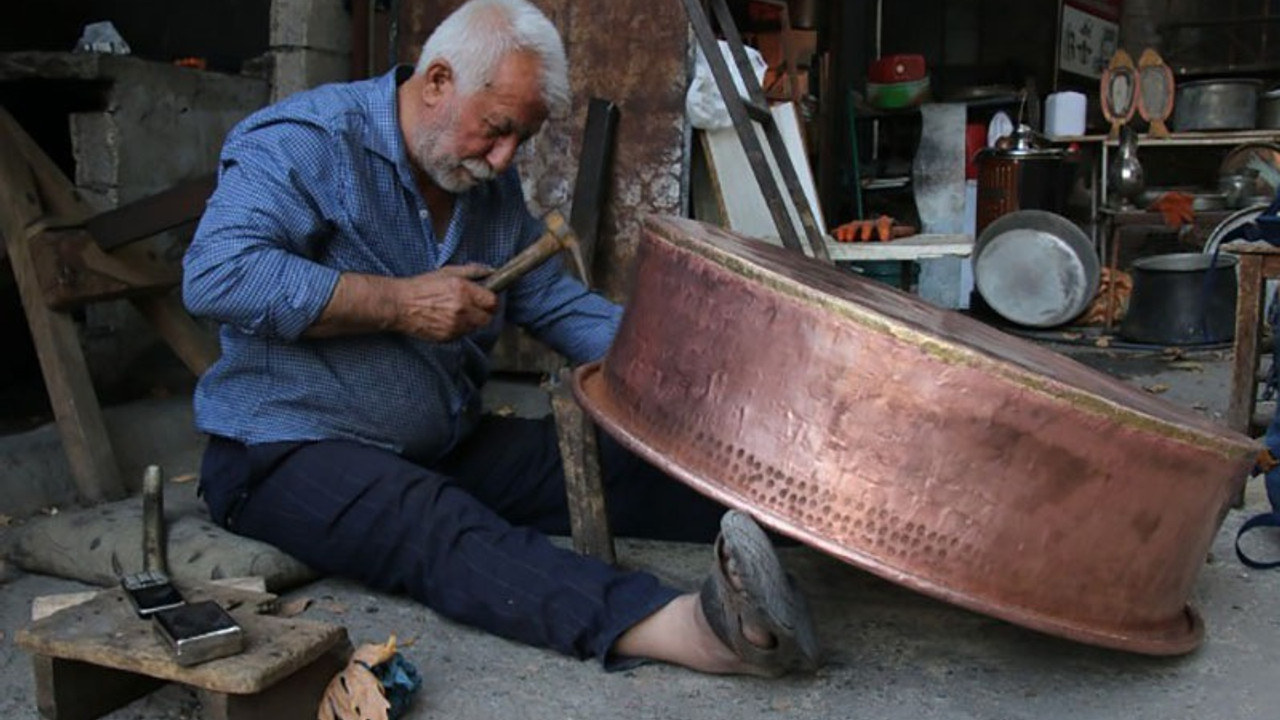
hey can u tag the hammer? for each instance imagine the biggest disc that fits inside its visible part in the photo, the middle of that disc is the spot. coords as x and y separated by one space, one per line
558 237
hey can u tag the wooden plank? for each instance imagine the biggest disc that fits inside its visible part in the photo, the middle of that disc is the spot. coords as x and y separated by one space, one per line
71 393
584 490
740 195
916 247
73 690
195 346
105 632
297 697
74 272
46 605
1244 364
181 204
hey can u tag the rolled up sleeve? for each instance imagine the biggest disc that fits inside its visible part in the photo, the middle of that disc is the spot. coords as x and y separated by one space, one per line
250 264
559 310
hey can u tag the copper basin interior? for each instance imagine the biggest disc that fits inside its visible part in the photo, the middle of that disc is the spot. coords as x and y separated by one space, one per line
914 442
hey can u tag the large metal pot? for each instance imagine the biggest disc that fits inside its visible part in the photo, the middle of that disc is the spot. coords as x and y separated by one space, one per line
916 443
1182 299
1026 175
1216 105
1035 268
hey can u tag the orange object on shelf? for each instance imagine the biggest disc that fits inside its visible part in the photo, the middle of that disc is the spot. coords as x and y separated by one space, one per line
1176 208
882 229
197 63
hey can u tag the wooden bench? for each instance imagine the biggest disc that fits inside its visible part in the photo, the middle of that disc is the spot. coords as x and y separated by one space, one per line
97 656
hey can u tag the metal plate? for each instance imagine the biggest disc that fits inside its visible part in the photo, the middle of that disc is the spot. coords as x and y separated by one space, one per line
916 443
1035 268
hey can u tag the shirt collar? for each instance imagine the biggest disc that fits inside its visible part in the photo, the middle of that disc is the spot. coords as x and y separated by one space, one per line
383 134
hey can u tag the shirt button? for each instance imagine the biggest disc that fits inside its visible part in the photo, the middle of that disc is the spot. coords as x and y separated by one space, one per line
423 214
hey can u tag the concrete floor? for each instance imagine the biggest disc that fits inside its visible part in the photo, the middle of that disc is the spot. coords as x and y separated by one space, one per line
892 653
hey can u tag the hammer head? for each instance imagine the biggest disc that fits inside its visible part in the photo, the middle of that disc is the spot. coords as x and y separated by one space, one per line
557 225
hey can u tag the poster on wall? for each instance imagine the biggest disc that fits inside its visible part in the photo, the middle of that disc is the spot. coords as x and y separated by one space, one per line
1090 33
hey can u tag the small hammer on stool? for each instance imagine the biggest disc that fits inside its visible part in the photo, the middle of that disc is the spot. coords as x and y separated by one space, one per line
558 237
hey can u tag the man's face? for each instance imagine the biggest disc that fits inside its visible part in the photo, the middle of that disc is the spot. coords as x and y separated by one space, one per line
469 139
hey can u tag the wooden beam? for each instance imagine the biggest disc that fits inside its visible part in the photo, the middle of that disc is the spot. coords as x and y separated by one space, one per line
66 375
196 347
584 488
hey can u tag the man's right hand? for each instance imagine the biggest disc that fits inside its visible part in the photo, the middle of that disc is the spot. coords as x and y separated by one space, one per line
444 304
439 306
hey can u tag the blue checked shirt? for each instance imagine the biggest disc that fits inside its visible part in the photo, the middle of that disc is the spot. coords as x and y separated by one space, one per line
319 185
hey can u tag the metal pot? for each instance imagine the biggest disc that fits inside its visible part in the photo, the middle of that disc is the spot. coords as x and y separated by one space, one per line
1035 268
915 443
1028 174
1217 105
1182 299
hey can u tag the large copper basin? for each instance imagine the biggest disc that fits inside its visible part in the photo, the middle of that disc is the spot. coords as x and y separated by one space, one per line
916 443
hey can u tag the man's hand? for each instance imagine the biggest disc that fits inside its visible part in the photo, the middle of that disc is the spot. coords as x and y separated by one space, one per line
441 305
444 304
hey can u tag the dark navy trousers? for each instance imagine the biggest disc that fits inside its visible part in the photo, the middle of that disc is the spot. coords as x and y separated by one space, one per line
465 536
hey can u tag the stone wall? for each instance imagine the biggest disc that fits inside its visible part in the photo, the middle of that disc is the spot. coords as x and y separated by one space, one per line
310 44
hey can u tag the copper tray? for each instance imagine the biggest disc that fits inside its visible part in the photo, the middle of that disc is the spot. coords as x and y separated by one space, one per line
916 443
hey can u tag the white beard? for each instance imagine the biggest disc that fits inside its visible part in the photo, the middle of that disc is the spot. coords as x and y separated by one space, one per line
448 171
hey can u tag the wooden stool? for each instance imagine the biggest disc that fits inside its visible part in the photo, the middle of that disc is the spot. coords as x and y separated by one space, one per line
98 656
1259 261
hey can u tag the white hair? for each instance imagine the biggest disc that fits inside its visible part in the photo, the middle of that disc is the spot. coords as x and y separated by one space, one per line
478 35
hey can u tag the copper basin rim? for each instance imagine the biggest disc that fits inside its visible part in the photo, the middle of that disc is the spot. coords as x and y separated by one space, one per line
916 443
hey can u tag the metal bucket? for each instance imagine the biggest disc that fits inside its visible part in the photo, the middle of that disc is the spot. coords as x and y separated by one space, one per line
916 443
1182 299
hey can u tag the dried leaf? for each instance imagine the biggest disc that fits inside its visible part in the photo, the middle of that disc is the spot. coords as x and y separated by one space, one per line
504 411
1187 365
1071 335
1156 389
185 478
356 693
294 607
1102 342
333 606
5 520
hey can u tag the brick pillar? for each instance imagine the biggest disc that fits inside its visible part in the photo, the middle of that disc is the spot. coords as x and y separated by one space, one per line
310 43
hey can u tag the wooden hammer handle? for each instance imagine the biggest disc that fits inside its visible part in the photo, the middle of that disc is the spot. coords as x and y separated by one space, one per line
557 237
